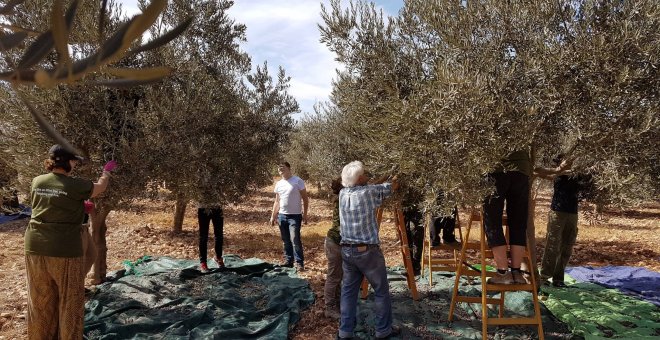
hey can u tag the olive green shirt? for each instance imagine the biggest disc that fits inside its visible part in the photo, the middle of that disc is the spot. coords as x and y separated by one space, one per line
516 161
57 215
333 233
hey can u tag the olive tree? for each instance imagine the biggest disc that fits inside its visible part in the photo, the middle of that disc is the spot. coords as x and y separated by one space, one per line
96 118
228 123
446 89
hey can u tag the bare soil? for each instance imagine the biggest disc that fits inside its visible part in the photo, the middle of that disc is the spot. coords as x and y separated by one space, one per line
617 237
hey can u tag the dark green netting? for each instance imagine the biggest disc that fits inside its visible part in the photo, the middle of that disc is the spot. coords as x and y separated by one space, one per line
165 298
601 313
427 318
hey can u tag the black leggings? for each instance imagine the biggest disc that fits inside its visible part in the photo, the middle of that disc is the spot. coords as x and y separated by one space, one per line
415 232
512 187
205 216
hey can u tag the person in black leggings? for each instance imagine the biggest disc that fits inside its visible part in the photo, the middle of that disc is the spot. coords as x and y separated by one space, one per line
207 213
511 186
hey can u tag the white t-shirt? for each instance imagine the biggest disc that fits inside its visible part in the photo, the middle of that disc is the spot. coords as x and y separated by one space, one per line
289 191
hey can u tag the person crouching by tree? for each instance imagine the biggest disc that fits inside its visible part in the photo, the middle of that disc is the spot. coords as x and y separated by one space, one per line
206 213
414 221
562 229
333 278
53 247
289 213
361 253
444 223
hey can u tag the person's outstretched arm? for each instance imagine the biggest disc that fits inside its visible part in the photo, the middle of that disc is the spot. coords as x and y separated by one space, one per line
550 173
102 183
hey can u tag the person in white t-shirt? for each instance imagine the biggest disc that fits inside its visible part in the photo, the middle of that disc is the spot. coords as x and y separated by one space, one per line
290 211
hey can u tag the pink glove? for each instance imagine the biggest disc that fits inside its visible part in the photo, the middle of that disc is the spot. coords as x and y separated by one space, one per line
110 166
89 206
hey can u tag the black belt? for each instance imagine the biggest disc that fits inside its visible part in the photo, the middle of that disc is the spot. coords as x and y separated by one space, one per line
355 245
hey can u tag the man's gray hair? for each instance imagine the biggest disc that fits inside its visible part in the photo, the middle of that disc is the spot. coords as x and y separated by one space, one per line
351 172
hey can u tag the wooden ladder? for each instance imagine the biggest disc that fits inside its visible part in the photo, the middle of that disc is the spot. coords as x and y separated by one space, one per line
439 263
465 269
405 252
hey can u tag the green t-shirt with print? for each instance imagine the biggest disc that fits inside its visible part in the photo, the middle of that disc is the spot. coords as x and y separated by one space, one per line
57 215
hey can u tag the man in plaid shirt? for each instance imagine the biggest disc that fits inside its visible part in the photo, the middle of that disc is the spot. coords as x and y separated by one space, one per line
361 254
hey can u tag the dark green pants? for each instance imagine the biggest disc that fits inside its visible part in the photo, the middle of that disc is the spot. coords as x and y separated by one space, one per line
561 236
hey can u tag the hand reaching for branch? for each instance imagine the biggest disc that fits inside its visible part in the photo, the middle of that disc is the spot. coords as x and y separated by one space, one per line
110 166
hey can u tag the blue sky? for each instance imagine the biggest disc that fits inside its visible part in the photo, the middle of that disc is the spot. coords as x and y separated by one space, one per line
284 33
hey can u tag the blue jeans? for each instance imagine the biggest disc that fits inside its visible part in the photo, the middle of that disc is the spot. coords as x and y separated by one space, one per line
369 263
290 232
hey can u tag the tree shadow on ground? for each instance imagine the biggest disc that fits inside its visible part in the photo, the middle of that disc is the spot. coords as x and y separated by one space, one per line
633 213
624 226
16 226
620 253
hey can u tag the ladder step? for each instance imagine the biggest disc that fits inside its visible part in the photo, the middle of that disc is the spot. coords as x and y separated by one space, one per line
477 299
473 245
444 247
470 272
443 261
513 321
509 288
467 271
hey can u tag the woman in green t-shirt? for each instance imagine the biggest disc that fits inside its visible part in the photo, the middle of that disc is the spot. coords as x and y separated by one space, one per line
53 247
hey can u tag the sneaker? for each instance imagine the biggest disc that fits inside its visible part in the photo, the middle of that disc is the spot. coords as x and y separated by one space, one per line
501 279
285 265
300 267
203 268
332 313
396 330
518 277
220 262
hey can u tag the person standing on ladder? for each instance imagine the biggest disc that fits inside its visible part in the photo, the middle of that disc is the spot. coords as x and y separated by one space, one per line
511 179
361 253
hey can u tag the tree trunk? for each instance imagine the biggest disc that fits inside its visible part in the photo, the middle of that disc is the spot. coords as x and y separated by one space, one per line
179 212
531 227
99 229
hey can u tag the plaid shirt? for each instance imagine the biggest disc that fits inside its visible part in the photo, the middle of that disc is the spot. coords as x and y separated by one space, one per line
357 212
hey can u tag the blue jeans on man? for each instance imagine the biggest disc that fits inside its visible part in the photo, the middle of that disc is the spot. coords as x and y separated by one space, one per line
359 262
290 232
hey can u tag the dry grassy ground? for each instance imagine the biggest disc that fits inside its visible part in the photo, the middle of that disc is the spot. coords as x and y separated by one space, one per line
628 237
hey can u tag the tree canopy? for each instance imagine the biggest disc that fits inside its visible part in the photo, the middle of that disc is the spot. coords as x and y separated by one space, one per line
445 89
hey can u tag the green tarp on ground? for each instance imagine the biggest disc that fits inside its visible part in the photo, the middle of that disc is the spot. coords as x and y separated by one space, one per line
170 299
427 318
597 312
165 298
